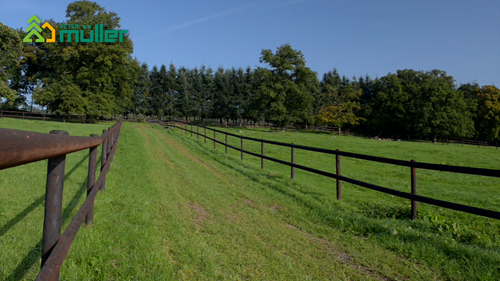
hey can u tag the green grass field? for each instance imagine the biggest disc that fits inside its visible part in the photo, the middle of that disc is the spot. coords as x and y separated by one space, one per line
176 209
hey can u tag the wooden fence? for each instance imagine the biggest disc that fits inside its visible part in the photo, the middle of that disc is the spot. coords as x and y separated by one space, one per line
39 116
411 165
21 147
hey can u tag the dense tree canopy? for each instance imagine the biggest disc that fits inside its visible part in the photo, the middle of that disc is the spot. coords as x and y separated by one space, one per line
84 79
103 79
10 53
286 86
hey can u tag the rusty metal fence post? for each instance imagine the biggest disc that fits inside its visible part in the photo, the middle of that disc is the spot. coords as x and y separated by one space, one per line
242 147
339 183
53 203
91 180
293 162
103 160
262 154
413 192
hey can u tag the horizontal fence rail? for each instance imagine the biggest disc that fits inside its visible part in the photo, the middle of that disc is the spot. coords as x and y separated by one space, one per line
22 147
38 116
413 165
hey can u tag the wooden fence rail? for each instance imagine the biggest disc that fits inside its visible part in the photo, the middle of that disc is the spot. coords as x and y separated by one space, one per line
21 147
412 165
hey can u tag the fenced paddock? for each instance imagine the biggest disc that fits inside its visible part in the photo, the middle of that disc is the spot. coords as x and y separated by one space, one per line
211 134
22 147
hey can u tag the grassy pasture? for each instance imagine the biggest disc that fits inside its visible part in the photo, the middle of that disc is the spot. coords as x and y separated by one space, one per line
175 209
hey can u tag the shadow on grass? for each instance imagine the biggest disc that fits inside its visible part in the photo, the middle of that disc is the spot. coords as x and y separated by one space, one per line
35 203
390 228
34 255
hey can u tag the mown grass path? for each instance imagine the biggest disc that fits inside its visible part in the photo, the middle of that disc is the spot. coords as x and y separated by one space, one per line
175 210
197 220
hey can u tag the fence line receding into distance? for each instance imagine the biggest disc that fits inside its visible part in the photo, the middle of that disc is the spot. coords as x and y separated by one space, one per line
412 165
22 147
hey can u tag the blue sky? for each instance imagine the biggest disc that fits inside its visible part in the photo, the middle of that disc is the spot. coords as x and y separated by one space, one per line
357 37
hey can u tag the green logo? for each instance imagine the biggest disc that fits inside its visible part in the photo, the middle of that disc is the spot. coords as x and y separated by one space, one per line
35 28
97 35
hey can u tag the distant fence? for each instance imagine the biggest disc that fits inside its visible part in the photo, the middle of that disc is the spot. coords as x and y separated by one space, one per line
38 116
21 147
59 117
418 138
412 165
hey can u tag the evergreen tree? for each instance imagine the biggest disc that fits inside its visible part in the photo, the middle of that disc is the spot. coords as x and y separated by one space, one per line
184 102
171 90
141 91
155 92
223 95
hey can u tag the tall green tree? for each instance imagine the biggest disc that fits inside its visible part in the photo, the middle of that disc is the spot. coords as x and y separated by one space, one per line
171 88
287 86
155 91
184 100
438 108
207 94
223 95
340 101
388 110
10 68
142 84
488 113
86 79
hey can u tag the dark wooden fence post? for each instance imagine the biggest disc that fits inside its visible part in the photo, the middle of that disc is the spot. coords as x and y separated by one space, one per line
205 135
293 162
226 143
23 115
191 130
103 160
262 153
339 182
215 138
242 147
108 149
91 180
198 132
180 127
53 203
413 192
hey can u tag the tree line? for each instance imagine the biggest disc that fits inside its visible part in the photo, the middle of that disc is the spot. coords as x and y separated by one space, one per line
98 80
